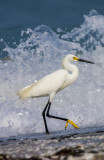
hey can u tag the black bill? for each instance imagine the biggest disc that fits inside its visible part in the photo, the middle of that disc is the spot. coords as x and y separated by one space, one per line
82 60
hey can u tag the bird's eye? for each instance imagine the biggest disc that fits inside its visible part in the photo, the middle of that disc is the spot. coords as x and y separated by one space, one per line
75 58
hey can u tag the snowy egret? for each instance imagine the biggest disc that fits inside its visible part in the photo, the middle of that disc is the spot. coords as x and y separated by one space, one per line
52 84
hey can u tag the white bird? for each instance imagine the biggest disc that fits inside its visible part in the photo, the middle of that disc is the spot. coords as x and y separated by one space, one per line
52 84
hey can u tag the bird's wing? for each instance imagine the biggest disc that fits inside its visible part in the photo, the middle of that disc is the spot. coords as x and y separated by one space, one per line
45 86
49 84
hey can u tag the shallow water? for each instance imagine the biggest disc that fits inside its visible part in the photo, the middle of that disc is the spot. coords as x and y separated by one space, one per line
53 135
40 52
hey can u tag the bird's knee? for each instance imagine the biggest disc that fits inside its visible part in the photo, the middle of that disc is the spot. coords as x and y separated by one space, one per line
47 115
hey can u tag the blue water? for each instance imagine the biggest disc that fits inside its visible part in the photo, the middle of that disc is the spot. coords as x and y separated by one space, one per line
17 15
34 38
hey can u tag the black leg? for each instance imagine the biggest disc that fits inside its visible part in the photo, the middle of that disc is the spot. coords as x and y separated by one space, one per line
43 114
50 116
64 119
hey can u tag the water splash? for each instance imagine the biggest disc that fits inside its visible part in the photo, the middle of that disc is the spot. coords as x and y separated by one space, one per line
39 53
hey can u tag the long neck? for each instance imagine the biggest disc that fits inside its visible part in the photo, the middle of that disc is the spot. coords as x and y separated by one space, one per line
70 68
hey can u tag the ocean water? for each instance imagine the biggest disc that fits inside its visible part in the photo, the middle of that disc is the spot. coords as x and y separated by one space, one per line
31 52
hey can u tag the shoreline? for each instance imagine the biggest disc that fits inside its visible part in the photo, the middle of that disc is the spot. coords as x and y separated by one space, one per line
81 146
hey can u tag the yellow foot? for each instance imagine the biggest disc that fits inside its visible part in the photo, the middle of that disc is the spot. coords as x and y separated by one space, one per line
72 123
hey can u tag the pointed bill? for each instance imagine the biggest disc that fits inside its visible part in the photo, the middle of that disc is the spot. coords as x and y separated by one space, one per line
82 60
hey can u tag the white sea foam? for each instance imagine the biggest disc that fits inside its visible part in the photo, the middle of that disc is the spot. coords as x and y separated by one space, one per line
39 53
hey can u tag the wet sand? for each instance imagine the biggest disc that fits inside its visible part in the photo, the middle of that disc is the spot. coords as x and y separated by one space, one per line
79 146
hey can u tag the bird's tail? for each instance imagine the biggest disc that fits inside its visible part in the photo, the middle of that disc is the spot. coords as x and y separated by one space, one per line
25 92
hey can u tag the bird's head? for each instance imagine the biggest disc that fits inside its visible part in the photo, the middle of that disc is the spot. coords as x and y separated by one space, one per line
74 58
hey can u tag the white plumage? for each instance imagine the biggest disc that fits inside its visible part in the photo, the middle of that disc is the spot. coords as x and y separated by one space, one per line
53 83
